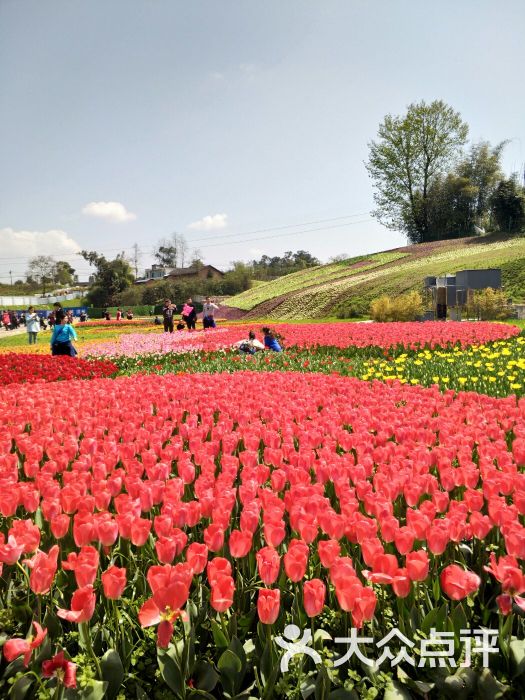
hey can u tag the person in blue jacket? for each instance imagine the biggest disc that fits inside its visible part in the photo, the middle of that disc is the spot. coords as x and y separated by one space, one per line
270 341
63 334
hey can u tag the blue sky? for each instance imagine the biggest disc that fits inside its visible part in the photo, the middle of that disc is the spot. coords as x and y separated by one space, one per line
125 120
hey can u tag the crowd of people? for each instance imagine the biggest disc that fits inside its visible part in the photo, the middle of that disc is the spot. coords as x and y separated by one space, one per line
188 315
63 334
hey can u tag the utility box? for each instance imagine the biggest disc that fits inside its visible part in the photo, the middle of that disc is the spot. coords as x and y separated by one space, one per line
479 279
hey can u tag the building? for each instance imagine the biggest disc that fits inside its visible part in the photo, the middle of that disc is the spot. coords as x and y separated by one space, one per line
159 272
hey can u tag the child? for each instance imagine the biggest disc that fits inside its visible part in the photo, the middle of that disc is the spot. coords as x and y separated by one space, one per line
63 334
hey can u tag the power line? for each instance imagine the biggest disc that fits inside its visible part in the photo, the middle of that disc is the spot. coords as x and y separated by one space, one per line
222 236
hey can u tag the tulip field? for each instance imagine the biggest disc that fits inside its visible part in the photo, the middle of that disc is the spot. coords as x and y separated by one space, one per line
344 520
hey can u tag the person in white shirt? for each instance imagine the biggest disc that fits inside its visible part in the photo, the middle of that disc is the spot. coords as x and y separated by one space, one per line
249 346
208 313
32 325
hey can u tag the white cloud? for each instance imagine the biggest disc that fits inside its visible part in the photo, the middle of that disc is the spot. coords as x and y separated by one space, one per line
217 76
210 223
19 246
256 252
111 211
27 244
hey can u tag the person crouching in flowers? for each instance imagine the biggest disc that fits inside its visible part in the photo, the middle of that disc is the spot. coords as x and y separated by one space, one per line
63 334
249 346
270 340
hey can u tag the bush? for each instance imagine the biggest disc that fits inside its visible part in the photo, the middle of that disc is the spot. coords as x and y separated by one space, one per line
489 305
381 309
406 307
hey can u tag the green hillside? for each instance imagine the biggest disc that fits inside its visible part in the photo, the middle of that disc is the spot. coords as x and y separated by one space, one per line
348 287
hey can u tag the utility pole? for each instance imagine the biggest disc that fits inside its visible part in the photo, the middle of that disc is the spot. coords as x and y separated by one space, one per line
11 276
136 258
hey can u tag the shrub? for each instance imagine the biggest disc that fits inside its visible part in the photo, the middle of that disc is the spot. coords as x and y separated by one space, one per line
406 307
489 304
381 309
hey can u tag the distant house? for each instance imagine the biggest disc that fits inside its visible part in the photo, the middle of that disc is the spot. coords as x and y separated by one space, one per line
202 272
159 272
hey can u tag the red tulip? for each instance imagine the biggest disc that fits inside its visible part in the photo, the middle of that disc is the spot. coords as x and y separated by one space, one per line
268 564
268 605
240 543
82 606
170 586
43 569
13 648
197 557
222 592
314 593
114 582
68 670
417 565
328 552
458 583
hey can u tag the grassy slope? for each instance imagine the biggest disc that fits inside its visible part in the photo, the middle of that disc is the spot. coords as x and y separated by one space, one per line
323 290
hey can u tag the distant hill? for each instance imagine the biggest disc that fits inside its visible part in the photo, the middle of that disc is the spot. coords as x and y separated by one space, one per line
347 288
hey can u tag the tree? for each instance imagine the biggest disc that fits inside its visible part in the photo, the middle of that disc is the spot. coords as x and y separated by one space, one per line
508 205
63 273
172 252
111 277
42 270
410 153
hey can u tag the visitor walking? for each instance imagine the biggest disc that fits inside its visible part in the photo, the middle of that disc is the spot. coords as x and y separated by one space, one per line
6 321
63 334
189 315
167 313
59 312
32 325
208 313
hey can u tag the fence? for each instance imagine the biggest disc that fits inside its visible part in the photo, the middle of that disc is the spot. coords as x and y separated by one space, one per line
25 301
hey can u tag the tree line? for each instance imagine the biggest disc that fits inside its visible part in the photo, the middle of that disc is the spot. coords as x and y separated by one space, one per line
430 188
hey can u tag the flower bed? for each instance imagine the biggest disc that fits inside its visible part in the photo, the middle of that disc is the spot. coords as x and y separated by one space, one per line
20 368
340 335
191 518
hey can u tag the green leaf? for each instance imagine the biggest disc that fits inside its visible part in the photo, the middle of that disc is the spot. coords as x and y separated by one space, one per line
322 685
170 672
94 690
205 677
52 622
20 689
489 688
461 684
396 691
220 639
517 655
112 672
230 667
342 694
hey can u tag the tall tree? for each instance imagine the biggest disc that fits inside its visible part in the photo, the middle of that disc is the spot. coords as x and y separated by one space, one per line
111 277
410 152
41 269
63 273
172 252
508 205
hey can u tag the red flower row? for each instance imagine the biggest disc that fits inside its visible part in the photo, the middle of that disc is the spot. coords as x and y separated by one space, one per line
17 368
